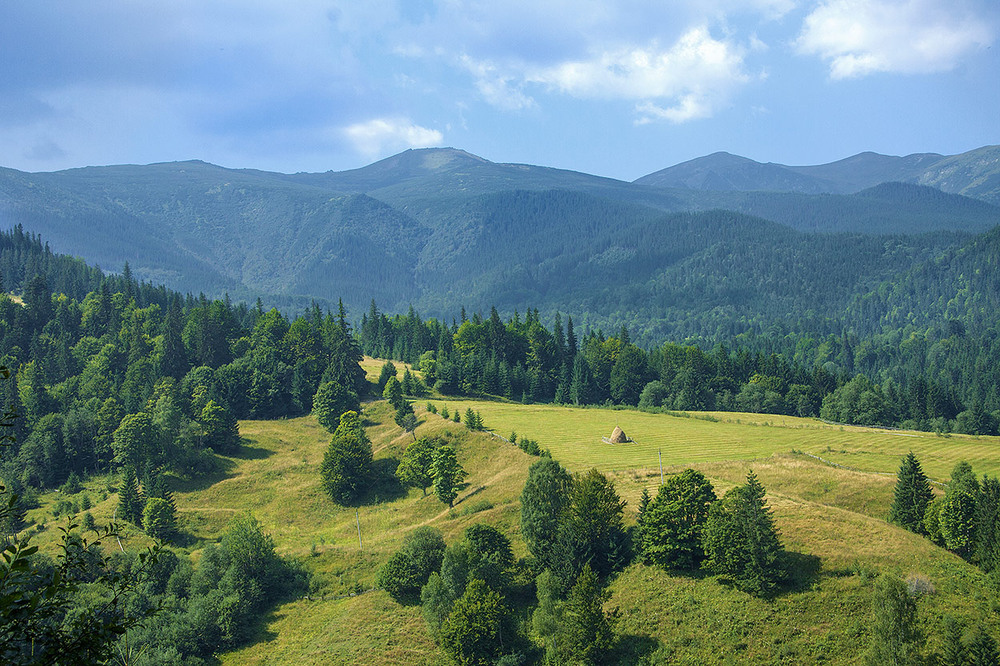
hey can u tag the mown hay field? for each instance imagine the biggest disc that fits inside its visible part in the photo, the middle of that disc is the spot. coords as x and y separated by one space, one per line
573 435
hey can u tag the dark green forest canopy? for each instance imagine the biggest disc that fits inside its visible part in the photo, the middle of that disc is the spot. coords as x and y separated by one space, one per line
87 350
442 229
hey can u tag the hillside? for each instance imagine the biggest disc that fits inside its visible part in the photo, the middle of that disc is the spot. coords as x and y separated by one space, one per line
975 174
832 520
441 229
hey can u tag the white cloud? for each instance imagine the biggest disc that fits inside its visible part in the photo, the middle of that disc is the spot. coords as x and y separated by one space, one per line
860 37
695 66
499 89
688 80
380 136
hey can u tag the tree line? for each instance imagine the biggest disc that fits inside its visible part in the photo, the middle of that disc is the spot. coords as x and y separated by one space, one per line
523 360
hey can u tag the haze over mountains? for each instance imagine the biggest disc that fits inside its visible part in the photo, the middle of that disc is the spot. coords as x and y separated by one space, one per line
702 248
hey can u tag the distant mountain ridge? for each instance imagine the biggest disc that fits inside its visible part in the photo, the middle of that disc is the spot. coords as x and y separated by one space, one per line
442 228
975 173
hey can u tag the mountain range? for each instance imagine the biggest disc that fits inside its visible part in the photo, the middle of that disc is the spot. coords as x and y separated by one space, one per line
711 247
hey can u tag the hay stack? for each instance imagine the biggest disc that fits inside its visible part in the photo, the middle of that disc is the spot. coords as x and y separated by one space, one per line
618 436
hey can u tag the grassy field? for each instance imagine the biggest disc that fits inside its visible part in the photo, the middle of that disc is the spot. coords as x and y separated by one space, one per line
574 437
832 522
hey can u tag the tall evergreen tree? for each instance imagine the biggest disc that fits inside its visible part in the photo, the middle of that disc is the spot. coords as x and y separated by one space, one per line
586 632
741 540
912 495
544 501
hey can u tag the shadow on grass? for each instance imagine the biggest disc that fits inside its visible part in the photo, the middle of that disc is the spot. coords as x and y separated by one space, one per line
631 650
246 452
803 571
223 470
385 487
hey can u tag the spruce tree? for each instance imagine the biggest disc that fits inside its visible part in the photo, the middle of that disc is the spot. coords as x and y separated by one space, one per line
982 649
586 632
953 650
544 500
130 499
912 495
741 540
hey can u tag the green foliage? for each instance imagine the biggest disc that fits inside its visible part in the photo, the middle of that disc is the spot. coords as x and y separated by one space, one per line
347 463
447 474
130 500
409 568
592 529
741 540
932 521
957 522
672 523
41 619
982 649
911 496
548 614
544 502
415 466
471 636
895 636
133 439
158 518
222 433
393 392
332 400
587 635
387 372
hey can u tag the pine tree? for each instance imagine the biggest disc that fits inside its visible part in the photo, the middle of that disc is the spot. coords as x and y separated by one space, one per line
912 495
982 649
644 500
586 632
130 499
741 540
953 651
544 500
332 400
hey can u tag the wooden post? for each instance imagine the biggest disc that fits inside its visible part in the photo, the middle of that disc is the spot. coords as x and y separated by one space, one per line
659 453
358 518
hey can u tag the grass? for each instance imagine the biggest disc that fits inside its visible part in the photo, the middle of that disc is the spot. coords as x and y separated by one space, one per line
832 522
574 437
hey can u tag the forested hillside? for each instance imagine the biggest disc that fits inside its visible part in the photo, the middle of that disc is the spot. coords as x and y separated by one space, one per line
441 229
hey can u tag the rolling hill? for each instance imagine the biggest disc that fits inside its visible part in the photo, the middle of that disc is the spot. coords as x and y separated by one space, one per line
441 229
975 174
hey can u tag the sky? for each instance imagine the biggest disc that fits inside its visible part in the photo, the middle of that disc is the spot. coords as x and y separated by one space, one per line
614 88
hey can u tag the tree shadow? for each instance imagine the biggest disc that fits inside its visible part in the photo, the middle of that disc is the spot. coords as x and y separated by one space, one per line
384 487
223 470
803 571
246 452
632 650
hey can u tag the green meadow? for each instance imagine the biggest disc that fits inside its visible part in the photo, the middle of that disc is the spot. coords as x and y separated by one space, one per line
574 435
832 521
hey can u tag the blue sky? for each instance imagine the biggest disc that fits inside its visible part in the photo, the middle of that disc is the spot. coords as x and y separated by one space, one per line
618 89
